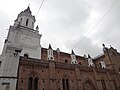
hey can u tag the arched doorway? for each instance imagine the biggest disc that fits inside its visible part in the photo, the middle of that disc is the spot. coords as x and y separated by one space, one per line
88 85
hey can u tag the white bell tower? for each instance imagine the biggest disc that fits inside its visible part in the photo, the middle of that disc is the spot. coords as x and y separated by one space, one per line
26 19
23 35
22 40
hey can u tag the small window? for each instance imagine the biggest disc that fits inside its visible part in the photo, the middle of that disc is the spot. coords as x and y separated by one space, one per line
79 63
66 61
43 81
26 55
51 58
51 53
20 20
100 65
27 22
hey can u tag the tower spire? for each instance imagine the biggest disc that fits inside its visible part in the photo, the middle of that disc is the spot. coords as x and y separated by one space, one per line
50 47
26 19
27 10
72 52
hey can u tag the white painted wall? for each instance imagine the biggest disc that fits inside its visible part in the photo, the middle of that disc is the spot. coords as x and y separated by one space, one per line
12 83
19 38
28 40
10 62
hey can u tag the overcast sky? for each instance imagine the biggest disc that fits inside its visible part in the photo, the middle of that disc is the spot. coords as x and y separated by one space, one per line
67 24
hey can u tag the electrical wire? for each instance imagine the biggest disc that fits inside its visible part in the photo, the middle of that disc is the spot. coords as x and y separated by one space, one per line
95 24
40 7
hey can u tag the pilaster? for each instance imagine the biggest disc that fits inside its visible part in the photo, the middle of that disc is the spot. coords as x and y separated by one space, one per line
52 79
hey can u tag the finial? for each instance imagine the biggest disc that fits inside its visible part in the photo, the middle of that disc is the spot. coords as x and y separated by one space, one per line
29 5
89 56
27 10
85 56
37 28
110 46
72 52
58 50
103 45
49 46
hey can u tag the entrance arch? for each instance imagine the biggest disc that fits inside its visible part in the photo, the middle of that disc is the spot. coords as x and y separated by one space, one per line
88 85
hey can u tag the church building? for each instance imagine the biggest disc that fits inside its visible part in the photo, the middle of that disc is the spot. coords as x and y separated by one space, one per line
26 65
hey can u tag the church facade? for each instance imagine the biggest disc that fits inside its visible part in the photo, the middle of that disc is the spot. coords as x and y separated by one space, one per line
25 65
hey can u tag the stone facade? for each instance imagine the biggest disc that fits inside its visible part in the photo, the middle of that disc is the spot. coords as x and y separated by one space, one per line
62 75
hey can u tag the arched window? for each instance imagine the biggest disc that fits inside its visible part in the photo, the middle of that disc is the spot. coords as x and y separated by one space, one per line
26 55
30 82
36 83
33 83
27 22
88 85
65 84
66 61
20 20
79 63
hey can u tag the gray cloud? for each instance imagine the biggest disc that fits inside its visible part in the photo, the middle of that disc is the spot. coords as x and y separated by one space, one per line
4 25
108 30
68 21
86 46
64 22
